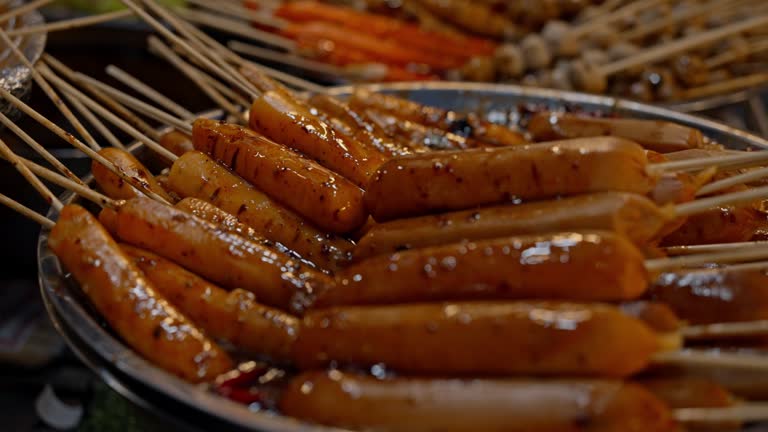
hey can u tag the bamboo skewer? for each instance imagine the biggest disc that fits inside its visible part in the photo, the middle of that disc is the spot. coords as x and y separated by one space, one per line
759 252
135 103
59 180
210 65
23 9
617 15
220 87
70 24
696 357
27 212
48 90
110 103
718 247
238 11
42 151
148 92
732 55
734 84
30 176
238 28
167 53
736 159
692 12
739 179
110 117
289 59
94 121
748 412
77 144
726 330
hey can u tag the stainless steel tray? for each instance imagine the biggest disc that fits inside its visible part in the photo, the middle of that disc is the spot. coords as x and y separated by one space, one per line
142 382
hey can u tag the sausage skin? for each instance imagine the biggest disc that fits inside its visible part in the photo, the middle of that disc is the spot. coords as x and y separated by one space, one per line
456 180
583 266
325 198
196 175
233 316
115 187
480 338
358 402
224 258
631 215
177 142
130 303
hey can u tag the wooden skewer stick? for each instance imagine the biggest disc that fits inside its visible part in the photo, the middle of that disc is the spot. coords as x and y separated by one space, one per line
46 193
736 159
107 115
663 51
48 90
743 413
148 92
232 95
23 9
741 197
235 10
100 127
754 253
739 179
718 247
692 12
604 8
619 14
42 151
136 104
290 59
698 357
725 330
167 53
109 102
237 28
27 212
730 85
189 50
135 182
70 24
733 55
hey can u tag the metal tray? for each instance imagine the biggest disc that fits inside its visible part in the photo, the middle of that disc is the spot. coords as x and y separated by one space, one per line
129 374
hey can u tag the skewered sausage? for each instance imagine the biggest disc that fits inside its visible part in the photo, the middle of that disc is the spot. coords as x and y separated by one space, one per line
224 258
626 214
114 186
233 316
440 181
453 405
286 121
536 338
325 198
177 142
585 266
132 305
196 175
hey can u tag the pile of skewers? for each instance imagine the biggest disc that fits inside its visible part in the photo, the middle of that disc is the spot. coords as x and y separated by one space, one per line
409 248
650 50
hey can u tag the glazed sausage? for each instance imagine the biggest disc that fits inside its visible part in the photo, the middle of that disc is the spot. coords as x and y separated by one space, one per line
420 135
658 316
534 338
233 316
129 303
465 125
365 131
630 215
718 225
708 296
655 135
115 187
688 392
357 402
456 180
584 266
196 175
323 197
224 258
290 123
177 142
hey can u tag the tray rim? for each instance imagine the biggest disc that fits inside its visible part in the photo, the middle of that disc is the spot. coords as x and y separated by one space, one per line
66 310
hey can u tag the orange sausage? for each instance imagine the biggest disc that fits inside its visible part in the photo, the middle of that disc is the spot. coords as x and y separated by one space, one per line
583 266
658 316
357 402
713 295
224 258
717 225
196 175
323 197
115 187
456 180
129 303
655 135
462 124
430 137
364 131
233 316
630 215
687 392
290 123
177 142
533 338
